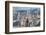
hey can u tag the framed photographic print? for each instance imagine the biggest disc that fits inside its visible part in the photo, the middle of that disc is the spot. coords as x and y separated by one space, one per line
24 17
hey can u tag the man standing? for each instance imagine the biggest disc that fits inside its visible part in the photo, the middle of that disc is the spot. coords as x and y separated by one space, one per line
26 25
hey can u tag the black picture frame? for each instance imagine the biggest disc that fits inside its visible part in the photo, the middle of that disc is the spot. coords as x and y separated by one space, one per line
7 16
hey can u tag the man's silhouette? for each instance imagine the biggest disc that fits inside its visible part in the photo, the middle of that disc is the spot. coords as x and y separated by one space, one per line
26 25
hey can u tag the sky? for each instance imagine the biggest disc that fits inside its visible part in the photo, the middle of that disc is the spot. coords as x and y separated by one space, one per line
26 9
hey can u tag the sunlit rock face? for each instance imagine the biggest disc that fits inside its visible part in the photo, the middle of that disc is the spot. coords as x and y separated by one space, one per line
26 17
